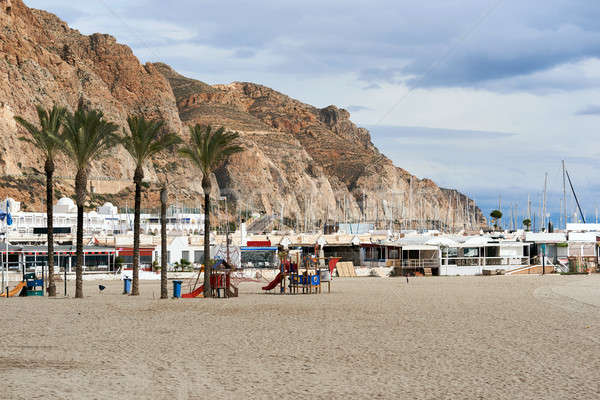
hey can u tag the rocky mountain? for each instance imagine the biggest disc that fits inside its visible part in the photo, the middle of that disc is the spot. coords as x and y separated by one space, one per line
311 164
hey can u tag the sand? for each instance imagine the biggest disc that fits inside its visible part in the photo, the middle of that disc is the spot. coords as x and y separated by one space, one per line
529 337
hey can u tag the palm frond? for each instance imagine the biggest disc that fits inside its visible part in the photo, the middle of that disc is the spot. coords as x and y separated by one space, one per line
86 136
208 148
47 136
143 140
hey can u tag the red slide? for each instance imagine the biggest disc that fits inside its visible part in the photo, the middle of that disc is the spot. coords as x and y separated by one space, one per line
195 293
273 283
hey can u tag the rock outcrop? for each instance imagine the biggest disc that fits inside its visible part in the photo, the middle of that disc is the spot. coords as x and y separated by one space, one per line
311 164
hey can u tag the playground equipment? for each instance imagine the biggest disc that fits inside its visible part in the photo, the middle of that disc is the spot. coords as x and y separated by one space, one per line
30 286
15 291
292 280
220 282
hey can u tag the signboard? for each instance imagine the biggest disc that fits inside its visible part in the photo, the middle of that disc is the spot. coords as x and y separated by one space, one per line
259 243
55 230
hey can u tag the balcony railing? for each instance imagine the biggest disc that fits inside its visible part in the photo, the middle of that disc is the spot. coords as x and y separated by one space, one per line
420 263
486 261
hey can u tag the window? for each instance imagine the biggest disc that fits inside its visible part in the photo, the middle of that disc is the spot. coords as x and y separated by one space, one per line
471 252
259 258
168 257
449 254
185 254
198 256
374 253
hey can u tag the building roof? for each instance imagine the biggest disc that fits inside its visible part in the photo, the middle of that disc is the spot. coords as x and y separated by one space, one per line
545 237
65 201
588 237
57 249
583 227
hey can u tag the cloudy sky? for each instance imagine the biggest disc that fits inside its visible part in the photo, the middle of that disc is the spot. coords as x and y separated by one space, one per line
485 96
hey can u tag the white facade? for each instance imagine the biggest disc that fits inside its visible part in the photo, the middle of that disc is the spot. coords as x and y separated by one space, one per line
105 221
65 206
583 227
108 209
179 248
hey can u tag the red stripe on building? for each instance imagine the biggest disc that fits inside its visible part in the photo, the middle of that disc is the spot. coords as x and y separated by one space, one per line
259 243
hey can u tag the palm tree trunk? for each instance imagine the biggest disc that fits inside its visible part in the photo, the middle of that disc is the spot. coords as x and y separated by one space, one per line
163 243
138 176
80 192
206 188
49 167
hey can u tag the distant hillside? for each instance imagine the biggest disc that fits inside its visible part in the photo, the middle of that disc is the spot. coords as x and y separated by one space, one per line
300 159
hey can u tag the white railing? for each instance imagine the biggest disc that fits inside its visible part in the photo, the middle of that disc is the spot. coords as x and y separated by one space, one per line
560 267
420 263
486 261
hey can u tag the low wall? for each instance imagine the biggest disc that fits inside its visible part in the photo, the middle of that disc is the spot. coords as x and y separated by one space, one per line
453 270
381 272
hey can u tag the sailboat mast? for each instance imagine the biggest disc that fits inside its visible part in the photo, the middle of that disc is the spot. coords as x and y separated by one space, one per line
574 195
564 194
544 203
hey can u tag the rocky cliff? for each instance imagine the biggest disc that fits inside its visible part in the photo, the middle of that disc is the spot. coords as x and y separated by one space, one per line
311 164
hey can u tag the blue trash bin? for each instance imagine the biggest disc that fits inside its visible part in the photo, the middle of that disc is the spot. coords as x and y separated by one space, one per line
177 289
126 285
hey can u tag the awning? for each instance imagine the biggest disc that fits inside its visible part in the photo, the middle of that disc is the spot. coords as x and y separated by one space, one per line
419 247
258 248
442 241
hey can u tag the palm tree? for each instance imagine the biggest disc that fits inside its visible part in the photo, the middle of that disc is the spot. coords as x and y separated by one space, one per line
208 148
143 141
86 136
496 216
46 139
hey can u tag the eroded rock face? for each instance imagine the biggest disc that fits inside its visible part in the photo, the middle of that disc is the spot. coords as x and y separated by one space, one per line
299 159
43 61
312 160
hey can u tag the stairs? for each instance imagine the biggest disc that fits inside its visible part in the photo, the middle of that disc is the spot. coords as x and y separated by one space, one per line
531 269
232 293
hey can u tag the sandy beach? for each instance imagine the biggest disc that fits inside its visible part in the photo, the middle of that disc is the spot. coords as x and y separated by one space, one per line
469 337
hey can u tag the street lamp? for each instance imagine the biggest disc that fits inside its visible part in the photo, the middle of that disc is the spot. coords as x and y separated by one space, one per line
224 198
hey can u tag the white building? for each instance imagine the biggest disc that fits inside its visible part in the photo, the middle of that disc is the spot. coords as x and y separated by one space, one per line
105 221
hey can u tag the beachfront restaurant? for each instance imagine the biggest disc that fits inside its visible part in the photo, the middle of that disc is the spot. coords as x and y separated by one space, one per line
552 245
582 251
32 257
259 254
479 253
126 255
345 247
412 255
419 259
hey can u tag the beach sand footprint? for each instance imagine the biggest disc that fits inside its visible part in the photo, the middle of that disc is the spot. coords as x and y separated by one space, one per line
579 295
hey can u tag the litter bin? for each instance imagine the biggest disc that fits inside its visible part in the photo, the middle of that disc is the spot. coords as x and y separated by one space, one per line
177 289
126 285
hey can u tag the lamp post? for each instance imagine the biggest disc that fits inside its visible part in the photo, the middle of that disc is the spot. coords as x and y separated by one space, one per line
224 198
543 259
